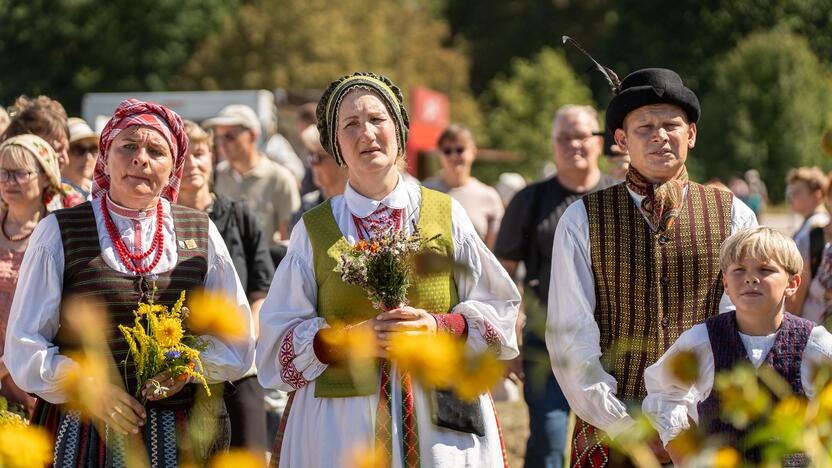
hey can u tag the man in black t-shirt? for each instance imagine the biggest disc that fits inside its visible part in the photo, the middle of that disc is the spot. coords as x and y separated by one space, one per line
526 235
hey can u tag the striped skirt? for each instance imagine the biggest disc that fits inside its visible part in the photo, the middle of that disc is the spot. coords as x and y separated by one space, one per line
169 438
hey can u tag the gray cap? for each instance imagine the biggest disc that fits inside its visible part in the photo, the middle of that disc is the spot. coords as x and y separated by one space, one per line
235 114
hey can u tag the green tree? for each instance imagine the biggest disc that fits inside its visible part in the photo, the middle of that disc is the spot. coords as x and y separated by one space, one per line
688 35
306 44
500 31
518 110
67 48
685 35
771 101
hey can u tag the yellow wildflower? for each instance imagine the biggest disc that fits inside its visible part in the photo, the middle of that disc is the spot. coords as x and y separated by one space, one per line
791 409
477 375
83 383
24 446
687 443
743 398
238 457
430 359
366 457
726 457
168 332
84 318
213 313
684 366
145 309
359 343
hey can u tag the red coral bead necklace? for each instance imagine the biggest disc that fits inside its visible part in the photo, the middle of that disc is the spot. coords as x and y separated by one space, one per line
128 258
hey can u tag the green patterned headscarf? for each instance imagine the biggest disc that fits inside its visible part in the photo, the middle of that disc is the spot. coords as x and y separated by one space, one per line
330 103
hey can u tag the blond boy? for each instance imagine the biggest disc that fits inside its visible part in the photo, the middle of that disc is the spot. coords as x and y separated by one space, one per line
760 268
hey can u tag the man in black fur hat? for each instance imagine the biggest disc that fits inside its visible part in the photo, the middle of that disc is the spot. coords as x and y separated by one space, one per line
636 264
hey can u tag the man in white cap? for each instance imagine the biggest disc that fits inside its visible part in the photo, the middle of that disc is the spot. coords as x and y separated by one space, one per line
83 152
269 190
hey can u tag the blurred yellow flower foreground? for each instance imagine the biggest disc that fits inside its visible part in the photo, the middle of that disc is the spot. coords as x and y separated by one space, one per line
212 313
22 445
441 361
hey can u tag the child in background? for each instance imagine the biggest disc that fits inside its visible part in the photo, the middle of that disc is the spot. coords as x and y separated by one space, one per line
760 268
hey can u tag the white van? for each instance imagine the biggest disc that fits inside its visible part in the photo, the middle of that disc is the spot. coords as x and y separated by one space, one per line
97 108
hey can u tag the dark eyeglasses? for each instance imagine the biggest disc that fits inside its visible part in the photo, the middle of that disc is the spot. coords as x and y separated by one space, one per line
449 150
83 150
568 139
228 136
20 176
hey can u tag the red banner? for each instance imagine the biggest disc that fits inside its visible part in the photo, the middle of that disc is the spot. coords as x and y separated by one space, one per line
430 114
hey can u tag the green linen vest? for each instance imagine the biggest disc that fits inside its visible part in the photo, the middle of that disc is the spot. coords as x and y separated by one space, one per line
339 302
650 288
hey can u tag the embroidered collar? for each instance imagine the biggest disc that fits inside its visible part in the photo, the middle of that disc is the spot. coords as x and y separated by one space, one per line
130 213
361 206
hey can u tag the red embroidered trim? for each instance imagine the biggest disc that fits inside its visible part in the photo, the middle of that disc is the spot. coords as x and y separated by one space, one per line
499 431
388 218
287 355
281 431
492 337
455 324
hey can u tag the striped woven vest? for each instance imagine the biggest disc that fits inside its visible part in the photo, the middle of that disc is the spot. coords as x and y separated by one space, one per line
649 288
785 357
87 276
339 302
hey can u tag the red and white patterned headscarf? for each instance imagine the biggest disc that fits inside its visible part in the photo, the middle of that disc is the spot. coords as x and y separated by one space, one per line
147 114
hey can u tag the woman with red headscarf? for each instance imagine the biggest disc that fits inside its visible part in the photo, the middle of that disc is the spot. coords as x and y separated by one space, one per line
130 242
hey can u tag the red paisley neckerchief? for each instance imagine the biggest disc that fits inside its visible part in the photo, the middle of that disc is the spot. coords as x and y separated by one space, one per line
661 202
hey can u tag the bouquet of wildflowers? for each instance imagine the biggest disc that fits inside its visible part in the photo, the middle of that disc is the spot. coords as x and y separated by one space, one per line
382 266
158 343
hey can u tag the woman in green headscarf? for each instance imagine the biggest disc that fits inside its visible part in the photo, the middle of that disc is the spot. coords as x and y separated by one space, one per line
364 126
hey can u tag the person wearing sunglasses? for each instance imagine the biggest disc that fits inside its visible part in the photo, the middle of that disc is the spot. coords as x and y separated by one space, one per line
83 151
457 153
329 178
30 188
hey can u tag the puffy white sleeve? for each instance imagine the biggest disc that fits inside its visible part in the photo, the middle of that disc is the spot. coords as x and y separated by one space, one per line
572 335
818 352
34 362
488 298
289 320
226 360
670 402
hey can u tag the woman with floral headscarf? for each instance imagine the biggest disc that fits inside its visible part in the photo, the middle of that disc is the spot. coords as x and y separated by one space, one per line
30 188
129 242
331 415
